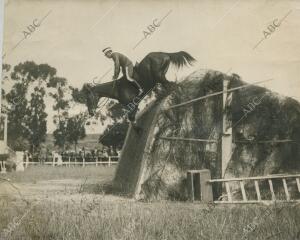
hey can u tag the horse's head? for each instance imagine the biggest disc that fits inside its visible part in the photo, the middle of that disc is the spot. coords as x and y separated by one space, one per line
91 98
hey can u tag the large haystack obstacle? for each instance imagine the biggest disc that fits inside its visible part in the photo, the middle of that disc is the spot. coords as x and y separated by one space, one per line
264 137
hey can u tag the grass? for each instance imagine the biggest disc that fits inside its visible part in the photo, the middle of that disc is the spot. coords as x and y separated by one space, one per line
42 173
101 219
86 215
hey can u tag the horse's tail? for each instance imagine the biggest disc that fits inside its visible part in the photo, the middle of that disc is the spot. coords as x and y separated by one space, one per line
180 59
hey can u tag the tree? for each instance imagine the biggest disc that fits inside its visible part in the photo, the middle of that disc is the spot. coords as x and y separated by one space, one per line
116 111
75 129
78 96
5 76
29 72
5 67
28 121
20 144
5 71
114 135
61 106
60 134
17 114
37 124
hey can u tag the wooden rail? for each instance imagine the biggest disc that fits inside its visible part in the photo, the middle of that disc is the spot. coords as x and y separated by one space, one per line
187 139
257 189
256 178
213 94
265 141
208 190
69 163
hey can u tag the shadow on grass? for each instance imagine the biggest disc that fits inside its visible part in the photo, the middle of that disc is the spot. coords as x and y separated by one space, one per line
104 188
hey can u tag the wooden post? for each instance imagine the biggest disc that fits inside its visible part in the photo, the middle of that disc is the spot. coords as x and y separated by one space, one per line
27 160
229 196
109 161
97 161
257 190
243 191
288 198
69 161
298 184
226 127
204 187
3 168
83 160
272 189
190 185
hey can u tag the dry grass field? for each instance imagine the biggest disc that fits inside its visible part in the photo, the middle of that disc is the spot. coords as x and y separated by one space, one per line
70 203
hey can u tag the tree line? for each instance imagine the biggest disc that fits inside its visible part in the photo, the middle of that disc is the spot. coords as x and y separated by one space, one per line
25 107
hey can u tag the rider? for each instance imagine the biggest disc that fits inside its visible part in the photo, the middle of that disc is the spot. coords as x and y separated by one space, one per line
123 62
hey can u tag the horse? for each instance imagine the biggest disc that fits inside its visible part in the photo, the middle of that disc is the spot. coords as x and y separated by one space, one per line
148 73
122 90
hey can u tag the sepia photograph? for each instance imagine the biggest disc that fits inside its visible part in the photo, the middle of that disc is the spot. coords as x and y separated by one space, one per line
150 120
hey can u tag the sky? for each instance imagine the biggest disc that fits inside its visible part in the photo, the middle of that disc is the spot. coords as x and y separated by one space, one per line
221 35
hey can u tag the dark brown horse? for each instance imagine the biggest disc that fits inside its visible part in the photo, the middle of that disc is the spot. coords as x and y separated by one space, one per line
151 70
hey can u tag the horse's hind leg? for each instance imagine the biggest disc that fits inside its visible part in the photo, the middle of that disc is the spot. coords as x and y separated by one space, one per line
168 85
162 74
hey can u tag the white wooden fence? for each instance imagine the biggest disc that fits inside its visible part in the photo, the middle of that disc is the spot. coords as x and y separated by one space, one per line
111 161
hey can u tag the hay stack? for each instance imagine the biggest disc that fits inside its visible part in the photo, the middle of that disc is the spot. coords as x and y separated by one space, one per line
154 168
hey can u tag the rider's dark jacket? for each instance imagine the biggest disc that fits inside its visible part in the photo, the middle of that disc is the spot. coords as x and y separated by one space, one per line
121 61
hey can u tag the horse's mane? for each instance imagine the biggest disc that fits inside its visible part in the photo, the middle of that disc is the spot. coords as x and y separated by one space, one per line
118 81
90 88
